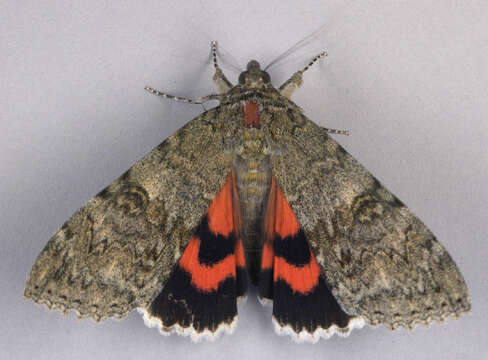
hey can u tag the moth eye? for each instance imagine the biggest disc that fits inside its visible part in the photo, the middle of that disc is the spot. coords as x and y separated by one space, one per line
242 78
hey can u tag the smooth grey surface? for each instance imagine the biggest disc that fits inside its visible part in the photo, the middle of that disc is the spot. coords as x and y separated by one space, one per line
407 78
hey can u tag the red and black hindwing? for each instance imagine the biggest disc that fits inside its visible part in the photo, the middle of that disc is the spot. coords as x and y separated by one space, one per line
291 277
201 294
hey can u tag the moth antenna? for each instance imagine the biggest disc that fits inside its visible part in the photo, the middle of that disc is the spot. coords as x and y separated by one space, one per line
335 131
295 81
199 100
227 59
306 40
314 60
223 85
214 56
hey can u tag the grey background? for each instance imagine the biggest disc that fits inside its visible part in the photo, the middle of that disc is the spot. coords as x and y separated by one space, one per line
407 78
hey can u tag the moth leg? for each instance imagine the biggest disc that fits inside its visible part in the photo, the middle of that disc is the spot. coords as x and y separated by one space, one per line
223 85
199 100
335 131
295 81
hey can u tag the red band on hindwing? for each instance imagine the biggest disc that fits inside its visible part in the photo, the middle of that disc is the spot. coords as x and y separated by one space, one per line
239 253
290 275
221 218
282 225
206 278
202 291
286 223
227 252
267 256
301 279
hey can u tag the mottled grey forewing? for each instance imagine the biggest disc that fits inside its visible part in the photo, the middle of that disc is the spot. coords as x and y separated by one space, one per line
116 252
381 262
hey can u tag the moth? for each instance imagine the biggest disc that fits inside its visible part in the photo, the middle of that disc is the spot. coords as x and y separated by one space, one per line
249 190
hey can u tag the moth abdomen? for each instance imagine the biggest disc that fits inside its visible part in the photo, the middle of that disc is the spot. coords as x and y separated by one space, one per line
253 177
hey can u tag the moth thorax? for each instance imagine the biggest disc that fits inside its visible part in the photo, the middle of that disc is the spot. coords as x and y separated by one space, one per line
254 144
251 116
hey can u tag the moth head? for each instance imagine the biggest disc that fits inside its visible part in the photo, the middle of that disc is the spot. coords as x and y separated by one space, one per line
254 76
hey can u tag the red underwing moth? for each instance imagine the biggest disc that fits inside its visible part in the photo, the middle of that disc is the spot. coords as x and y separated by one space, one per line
251 189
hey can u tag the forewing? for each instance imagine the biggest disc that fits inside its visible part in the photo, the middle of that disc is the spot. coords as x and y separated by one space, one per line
380 261
116 253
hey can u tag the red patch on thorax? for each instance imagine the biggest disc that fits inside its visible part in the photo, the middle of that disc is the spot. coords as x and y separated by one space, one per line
251 115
